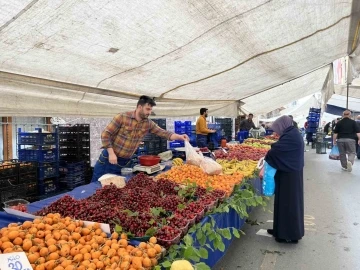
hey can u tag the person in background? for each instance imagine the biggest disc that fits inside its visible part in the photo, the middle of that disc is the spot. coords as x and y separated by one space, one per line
357 139
327 128
308 133
345 132
122 136
247 124
294 123
287 157
202 130
262 128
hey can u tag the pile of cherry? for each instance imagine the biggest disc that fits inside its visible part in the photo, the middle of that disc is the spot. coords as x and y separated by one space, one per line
142 204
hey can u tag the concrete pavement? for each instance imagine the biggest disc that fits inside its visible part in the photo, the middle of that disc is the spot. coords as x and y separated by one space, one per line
332 222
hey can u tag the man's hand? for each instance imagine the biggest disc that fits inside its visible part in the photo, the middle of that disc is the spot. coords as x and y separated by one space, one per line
182 137
112 158
213 131
334 142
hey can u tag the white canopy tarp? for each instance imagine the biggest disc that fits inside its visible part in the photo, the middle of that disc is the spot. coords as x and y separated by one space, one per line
213 52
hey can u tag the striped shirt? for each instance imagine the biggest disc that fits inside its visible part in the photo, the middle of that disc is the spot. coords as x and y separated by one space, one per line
124 134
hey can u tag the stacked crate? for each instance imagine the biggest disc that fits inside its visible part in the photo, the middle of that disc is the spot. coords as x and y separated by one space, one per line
18 180
74 152
181 128
153 144
226 127
313 125
42 148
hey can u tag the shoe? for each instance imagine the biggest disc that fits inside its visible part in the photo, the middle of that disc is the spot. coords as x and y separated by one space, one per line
349 166
270 231
286 241
344 169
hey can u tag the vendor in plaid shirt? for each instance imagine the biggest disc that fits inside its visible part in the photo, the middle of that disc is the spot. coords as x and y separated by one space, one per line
122 136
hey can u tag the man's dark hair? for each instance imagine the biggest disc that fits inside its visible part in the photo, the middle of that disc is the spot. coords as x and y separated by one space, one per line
251 114
203 110
146 100
291 116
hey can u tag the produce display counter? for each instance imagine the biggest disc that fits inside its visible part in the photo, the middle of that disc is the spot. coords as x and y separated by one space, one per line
223 220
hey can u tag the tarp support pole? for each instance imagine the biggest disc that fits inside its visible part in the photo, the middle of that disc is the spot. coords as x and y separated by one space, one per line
347 96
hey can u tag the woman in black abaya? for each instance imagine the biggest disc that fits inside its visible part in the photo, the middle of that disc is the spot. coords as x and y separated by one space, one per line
287 157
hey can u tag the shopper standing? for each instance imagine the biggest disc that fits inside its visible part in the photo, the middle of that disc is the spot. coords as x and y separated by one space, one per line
287 157
202 130
122 136
345 132
309 134
357 139
247 124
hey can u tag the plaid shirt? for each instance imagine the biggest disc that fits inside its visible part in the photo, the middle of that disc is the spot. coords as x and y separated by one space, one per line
124 134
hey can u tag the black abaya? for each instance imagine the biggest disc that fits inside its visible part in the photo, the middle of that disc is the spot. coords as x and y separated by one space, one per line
287 156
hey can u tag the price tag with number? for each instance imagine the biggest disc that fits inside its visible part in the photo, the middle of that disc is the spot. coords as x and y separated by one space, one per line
14 261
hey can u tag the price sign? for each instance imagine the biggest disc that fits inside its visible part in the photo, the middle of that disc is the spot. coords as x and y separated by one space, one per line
14 261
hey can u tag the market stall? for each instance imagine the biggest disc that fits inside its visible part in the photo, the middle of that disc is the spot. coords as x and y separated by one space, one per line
193 210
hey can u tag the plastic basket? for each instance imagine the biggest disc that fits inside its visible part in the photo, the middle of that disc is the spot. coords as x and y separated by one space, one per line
48 155
48 170
16 202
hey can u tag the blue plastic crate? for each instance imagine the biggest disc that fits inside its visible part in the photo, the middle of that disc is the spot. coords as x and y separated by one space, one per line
181 124
48 170
176 144
71 168
73 181
313 124
315 110
313 119
214 126
39 138
242 135
48 186
269 132
183 129
40 155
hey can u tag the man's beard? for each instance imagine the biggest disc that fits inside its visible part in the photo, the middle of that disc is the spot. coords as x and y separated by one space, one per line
143 115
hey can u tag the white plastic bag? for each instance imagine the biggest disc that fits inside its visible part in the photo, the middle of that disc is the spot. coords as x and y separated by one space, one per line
192 157
210 166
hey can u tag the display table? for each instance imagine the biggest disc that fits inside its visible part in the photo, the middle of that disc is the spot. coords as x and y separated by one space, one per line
223 220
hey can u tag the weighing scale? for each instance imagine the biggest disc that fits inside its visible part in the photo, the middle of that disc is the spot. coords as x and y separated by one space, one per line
149 169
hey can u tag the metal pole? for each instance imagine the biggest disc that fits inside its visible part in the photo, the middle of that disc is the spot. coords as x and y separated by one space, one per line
347 96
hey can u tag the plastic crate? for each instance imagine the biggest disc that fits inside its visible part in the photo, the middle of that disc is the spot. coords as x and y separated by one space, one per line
269 132
9 191
48 155
48 186
242 135
180 124
4 181
9 168
28 138
48 170
176 144
31 188
315 110
313 124
28 167
69 168
183 129
73 181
